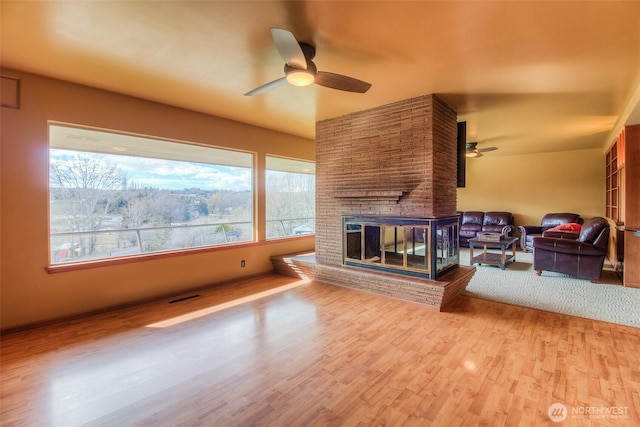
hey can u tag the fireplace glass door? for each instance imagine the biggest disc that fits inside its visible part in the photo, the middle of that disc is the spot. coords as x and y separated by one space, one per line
402 245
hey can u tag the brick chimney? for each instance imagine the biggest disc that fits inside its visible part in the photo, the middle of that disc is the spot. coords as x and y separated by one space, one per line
395 160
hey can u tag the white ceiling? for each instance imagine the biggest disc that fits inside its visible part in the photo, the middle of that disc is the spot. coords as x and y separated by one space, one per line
526 76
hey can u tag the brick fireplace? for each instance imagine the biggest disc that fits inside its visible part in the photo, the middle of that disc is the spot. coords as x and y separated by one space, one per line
398 162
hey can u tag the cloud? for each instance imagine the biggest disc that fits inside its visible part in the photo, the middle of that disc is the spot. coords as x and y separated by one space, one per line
175 175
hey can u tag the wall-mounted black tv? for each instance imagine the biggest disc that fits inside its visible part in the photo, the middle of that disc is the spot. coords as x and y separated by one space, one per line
462 150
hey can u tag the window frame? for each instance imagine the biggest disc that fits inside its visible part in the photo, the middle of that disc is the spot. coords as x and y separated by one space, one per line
287 164
251 164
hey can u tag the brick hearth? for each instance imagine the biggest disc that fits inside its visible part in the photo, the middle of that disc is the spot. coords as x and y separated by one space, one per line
433 293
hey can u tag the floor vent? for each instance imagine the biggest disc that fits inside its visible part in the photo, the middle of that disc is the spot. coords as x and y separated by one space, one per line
184 298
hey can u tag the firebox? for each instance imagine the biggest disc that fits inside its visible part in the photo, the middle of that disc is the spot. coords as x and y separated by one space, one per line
422 247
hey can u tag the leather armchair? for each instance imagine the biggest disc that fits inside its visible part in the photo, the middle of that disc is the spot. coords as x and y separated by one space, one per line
582 258
550 220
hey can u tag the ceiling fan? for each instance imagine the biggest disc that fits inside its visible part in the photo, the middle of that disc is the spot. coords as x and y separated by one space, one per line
299 69
474 151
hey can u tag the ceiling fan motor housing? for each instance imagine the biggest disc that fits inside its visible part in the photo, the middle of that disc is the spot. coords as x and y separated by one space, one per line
311 68
309 50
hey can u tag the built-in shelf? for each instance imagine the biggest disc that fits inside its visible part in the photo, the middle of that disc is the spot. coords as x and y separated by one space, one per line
614 178
623 203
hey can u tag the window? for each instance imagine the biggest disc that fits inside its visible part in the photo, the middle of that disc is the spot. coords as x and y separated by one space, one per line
290 194
115 195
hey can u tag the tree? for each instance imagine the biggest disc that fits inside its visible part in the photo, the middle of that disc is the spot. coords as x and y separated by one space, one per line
203 209
290 201
172 208
85 185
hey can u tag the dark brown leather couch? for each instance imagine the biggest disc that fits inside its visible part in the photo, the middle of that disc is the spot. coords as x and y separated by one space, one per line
474 222
550 220
582 258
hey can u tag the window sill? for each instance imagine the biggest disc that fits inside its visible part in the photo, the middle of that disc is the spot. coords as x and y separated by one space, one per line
109 262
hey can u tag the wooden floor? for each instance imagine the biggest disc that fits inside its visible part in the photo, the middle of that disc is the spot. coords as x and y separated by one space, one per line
274 351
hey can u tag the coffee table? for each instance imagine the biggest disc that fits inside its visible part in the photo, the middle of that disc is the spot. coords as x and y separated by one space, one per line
501 260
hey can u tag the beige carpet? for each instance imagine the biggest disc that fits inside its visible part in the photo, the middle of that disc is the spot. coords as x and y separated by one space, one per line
607 301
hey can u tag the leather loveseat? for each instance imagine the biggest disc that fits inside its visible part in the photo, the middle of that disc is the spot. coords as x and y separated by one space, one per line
582 257
550 220
474 222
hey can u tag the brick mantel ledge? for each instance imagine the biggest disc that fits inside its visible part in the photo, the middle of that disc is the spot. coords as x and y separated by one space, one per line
369 194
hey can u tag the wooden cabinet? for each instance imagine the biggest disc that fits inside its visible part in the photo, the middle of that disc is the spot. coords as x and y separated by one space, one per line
623 199
631 205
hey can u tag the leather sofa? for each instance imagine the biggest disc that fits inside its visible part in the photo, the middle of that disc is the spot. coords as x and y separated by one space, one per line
474 222
582 258
550 220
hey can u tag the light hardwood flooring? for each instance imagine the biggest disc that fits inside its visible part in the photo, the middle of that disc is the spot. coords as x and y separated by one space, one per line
274 351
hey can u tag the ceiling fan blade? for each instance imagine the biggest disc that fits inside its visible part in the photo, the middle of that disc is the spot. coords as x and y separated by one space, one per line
268 86
484 150
289 48
340 82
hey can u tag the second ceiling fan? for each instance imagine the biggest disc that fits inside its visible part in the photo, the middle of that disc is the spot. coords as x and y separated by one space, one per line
299 69
474 151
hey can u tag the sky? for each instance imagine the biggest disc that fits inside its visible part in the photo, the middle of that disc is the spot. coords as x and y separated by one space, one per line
170 174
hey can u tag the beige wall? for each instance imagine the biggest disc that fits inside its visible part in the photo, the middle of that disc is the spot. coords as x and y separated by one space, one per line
531 185
28 293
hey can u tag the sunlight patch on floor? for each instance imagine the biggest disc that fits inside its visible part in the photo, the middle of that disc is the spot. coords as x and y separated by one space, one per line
219 307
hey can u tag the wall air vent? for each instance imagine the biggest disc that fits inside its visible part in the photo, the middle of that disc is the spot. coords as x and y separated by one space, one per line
10 92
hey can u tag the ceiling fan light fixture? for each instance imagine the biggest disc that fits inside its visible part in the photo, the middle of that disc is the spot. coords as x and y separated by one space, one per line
299 69
300 77
473 153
